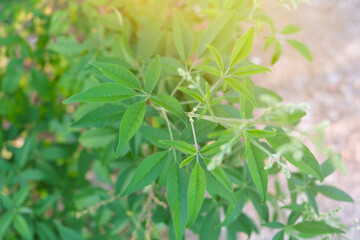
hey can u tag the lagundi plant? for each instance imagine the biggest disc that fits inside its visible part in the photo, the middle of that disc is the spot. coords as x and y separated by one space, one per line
169 135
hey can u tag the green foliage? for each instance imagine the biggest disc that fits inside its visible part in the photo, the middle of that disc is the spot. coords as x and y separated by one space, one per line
136 119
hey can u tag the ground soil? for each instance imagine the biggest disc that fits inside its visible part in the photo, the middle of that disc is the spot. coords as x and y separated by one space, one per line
330 85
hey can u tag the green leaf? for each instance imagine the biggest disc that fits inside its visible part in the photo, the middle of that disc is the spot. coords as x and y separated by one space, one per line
277 53
5 222
273 225
97 138
45 204
266 98
22 227
283 115
106 115
26 151
268 42
154 135
242 47
103 93
196 193
45 232
180 145
209 69
256 162
214 187
208 228
262 209
222 178
219 175
301 48
191 94
307 163
147 171
176 194
242 89
40 83
250 70
187 161
69 46
218 32
333 193
171 104
311 199
212 148
316 228
260 133
183 36
328 167
11 80
130 124
67 233
290 29
118 74
152 74
279 235
21 195
235 208
217 56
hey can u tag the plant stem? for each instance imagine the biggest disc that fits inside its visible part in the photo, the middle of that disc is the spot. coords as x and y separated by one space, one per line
170 131
177 86
195 140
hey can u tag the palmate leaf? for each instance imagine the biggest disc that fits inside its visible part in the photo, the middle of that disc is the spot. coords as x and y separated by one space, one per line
118 74
103 93
196 193
176 194
242 47
147 171
152 74
130 124
182 36
255 158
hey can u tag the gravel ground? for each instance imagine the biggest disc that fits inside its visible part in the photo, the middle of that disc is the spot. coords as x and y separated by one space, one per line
330 85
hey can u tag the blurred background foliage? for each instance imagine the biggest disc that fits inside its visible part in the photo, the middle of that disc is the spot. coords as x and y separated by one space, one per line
49 171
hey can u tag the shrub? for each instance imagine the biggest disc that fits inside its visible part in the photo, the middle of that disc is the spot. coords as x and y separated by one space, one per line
171 131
